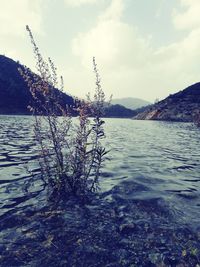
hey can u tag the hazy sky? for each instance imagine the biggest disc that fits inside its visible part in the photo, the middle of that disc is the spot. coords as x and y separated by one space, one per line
143 48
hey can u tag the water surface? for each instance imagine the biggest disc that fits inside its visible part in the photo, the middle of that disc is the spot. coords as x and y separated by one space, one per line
149 199
162 156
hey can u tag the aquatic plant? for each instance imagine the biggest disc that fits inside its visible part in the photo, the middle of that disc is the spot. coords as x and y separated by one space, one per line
71 151
196 119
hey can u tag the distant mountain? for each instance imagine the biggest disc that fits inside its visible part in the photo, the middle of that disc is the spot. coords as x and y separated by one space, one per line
118 111
130 102
183 106
15 95
14 92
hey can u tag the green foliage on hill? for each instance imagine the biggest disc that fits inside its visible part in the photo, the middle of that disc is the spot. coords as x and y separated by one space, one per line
14 95
14 92
118 111
183 106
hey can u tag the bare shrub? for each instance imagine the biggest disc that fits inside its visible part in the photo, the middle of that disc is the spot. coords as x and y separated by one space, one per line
71 152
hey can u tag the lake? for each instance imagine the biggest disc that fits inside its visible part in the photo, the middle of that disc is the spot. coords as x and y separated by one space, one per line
150 193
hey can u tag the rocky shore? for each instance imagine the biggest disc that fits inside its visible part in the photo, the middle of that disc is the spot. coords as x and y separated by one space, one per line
183 106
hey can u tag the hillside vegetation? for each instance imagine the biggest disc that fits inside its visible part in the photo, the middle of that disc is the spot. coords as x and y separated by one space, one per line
15 95
14 92
183 106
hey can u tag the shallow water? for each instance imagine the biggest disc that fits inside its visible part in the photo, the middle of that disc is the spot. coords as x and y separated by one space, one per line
162 156
151 178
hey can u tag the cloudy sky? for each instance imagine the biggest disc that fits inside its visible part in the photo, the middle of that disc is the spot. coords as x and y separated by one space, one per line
143 48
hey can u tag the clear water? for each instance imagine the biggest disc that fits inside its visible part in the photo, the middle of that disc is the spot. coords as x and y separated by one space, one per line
147 213
161 159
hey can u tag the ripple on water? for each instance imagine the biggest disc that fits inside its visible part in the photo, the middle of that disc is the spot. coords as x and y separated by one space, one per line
153 159
148 203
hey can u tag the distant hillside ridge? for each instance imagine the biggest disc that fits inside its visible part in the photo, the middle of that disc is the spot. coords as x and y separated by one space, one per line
130 102
183 106
14 92
15 95
118 111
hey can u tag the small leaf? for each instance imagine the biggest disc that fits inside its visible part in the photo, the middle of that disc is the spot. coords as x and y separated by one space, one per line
184 253
194 251
79 241
47 243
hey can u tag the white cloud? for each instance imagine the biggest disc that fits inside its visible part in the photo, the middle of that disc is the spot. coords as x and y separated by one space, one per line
16 14
114 11
131 67
120 50
160 9
111 41
188 17
78 3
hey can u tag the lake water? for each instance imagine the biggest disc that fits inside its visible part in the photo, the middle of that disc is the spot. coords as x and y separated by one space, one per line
162 156
152 165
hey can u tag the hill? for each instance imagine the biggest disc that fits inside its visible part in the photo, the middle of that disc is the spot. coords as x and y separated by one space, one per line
15 95
130 102
183 106
14 92
118 111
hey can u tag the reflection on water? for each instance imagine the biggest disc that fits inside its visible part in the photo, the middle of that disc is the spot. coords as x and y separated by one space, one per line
145 214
